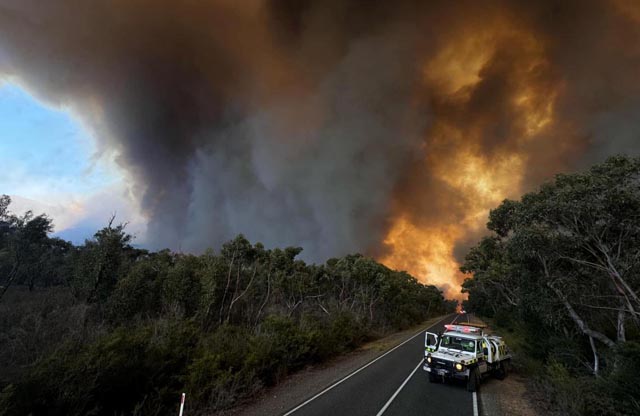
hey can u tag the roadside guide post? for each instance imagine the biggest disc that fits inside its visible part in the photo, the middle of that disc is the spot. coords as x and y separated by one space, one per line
182 404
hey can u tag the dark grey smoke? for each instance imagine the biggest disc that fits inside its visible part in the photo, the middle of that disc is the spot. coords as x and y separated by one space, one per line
306 122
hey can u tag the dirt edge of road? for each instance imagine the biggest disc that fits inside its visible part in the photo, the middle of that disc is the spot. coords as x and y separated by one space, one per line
508 397
303 384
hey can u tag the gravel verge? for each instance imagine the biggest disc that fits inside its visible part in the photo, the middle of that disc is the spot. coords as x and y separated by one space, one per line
508 397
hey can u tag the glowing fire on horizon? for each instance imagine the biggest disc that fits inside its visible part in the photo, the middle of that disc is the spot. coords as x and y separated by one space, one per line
454 153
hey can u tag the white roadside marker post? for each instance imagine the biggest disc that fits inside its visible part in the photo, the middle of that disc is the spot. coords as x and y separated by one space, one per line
182 404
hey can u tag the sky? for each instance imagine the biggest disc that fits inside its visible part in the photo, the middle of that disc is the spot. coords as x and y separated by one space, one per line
50 164
390 130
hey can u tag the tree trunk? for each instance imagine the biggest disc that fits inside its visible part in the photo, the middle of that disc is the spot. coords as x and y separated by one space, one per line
580 322
572 313
322 307
503 290
596 362
226 289
616 275
235 299
12 275
621 330
266 298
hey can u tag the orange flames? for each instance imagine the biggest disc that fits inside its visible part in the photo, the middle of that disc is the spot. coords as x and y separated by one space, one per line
314 110
475 179
428 252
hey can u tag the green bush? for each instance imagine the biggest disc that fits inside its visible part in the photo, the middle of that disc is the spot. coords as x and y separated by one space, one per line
221 371
624 383
134 329
128 370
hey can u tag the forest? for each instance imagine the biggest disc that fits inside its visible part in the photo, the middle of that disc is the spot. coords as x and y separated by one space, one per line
560 274
109 328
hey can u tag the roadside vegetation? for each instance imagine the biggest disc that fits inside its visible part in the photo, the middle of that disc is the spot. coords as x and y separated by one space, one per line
559 275
107 328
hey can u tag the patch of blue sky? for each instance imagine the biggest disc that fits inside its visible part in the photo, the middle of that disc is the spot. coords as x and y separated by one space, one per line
46 154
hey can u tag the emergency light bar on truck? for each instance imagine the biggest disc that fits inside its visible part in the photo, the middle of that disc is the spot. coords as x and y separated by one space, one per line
465 329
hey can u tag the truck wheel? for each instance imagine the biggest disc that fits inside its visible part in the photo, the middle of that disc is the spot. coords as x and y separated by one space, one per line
473 382
507 367
501 372
433 378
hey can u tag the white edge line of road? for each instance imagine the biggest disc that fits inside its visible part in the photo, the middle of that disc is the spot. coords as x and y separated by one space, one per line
475 404
306 402
475 395
406 380
388 403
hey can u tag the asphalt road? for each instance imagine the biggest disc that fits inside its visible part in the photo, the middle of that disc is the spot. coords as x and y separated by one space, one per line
392 384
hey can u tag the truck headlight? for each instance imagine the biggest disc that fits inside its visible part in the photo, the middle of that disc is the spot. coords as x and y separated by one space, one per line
429 360
458 366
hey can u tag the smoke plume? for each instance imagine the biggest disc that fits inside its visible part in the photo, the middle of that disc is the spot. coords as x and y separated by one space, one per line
389 128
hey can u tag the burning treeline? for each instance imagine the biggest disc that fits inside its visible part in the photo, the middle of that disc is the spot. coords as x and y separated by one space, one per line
340 126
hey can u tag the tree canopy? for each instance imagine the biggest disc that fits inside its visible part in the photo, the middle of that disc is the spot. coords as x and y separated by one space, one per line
566 258
107 328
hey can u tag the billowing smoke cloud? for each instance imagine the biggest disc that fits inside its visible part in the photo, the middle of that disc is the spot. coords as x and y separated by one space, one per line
384 127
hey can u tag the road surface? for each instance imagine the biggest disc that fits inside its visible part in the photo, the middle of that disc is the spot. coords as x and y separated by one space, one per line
393 384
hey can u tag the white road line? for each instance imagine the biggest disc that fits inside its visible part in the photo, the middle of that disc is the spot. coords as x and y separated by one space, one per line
386 405
356 372
475 396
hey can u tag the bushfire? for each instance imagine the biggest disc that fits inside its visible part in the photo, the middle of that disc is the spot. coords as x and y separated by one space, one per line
509 62
390 129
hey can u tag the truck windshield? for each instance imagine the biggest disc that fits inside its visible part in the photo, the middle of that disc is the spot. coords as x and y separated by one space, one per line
457 343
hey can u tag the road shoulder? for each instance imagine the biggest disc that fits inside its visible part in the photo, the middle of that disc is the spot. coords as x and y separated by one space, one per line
508 397
303 384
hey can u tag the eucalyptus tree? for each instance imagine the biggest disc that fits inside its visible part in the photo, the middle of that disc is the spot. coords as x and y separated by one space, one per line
570 251
24 245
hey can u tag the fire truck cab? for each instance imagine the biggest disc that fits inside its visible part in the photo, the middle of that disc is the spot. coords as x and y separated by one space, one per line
465 352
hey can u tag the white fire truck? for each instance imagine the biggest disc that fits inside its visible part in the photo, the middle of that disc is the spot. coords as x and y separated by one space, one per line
465 352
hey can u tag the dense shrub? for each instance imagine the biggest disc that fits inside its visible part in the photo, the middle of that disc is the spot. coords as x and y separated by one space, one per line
126 331
563 383
125 371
